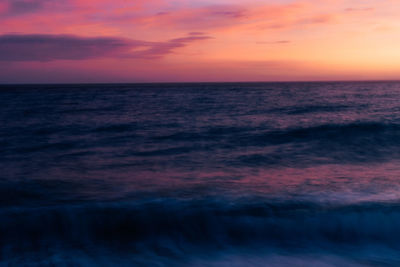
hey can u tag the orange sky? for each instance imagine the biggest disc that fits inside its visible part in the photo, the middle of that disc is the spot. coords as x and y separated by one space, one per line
198 40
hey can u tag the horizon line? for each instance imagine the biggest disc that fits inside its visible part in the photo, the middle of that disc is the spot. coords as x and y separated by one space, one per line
198 82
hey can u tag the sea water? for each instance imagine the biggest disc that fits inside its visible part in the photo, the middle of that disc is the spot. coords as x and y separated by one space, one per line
202 174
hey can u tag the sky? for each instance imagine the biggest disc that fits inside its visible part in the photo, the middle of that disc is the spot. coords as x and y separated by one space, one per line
86 41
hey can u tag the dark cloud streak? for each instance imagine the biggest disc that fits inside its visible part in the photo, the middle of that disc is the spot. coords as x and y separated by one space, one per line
45 47
23 7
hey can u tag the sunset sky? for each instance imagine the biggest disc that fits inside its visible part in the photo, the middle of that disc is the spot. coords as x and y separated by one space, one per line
57 41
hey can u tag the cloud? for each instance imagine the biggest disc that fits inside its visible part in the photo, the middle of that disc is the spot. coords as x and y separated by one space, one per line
196 33
41 47
190 39
99 17
193 18
46 47
23 7
319 19
364 9
232 16
276 42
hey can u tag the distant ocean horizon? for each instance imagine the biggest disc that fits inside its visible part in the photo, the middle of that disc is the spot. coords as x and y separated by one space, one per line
200 174
5 84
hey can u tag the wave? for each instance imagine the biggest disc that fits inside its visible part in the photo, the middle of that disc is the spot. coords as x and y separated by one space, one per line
256 136
335 132
198 225
307 109
327 143
357 142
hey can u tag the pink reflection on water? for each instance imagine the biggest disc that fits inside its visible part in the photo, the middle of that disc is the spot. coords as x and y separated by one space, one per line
338 183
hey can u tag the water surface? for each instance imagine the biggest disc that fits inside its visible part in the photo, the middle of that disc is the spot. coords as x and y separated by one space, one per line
238 174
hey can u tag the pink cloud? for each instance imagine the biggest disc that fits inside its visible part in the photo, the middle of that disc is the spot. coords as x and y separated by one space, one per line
214 16
193 18
364 9
3 8
276 42
120 16
318 19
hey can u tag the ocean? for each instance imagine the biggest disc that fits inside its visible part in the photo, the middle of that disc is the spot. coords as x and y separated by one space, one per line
200 174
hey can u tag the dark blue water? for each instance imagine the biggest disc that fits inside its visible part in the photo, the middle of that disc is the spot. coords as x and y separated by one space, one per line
258 174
